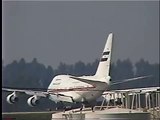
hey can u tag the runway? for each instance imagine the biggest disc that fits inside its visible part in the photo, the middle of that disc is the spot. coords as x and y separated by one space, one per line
28 115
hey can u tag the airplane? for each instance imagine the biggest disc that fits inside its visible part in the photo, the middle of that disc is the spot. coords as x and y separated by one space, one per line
73 89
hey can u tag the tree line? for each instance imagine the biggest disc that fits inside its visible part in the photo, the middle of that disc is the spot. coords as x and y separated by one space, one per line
35 74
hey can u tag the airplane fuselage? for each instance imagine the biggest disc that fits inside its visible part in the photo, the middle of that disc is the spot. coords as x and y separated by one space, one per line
80 91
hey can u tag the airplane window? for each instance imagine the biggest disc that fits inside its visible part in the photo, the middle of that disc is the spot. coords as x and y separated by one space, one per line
56 83
58 79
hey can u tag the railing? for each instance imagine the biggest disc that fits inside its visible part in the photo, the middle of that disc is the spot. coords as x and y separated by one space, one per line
133 100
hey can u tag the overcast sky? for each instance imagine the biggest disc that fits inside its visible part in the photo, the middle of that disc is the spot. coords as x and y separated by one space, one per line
55 32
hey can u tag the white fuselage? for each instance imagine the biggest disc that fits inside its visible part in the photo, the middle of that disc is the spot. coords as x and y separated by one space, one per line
78 90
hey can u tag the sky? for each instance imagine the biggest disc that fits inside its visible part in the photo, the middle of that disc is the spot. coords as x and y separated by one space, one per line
72 31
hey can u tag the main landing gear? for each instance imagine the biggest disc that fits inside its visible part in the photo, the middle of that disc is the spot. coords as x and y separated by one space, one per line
87 104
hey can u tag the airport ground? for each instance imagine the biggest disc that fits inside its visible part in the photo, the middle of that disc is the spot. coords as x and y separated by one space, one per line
28 115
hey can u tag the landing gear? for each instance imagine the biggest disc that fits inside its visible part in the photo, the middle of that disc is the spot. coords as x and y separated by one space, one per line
93 103
82 106
92 107
87 104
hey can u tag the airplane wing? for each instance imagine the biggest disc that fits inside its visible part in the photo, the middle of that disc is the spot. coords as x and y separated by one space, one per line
135 90
28 91
35 93
130 79
41 92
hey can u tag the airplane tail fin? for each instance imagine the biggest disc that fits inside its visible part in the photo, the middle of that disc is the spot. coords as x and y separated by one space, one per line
104 64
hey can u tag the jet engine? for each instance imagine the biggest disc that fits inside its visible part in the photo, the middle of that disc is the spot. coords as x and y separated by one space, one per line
33 101
12 98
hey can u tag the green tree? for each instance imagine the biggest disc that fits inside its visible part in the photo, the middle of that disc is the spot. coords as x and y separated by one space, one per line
79 68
